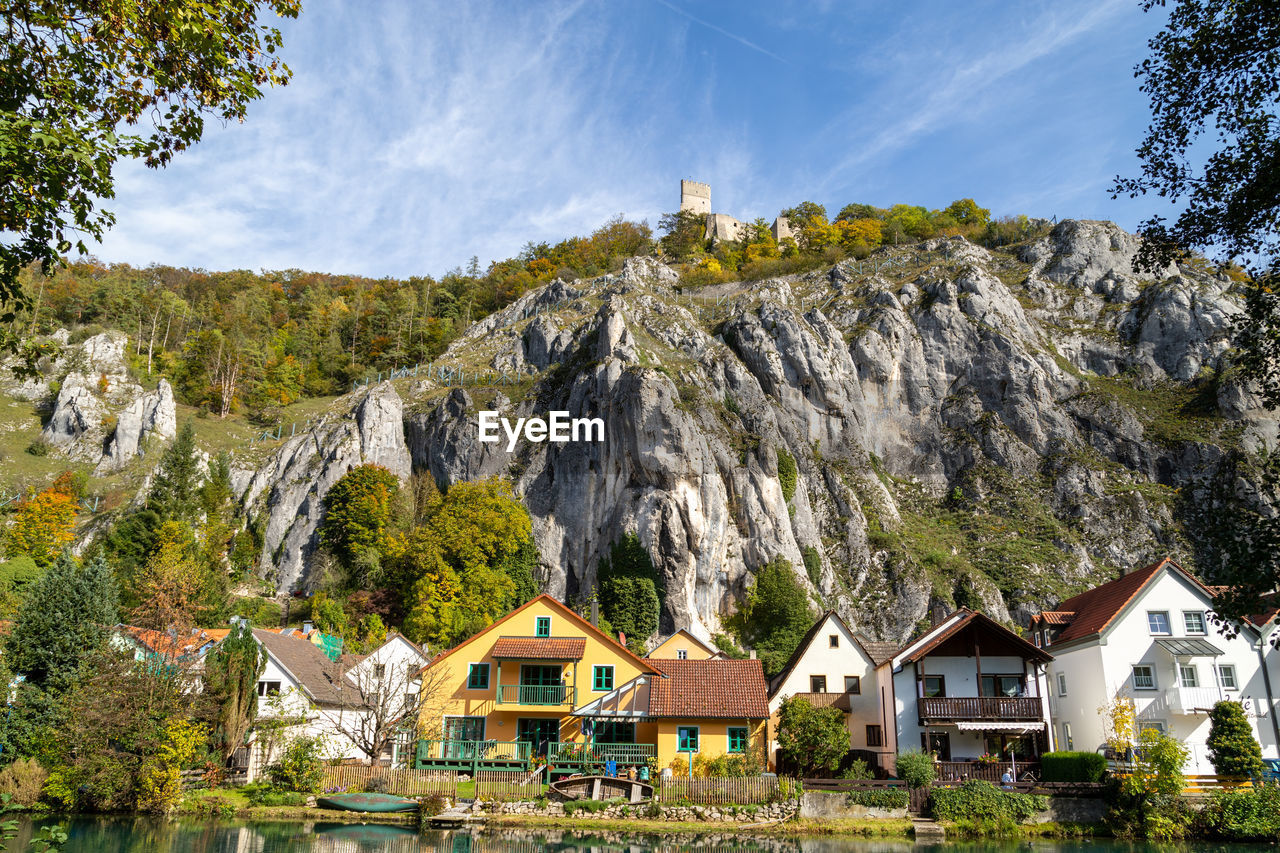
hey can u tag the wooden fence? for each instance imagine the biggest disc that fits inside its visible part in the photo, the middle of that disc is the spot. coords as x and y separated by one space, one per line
731 790
400 781
504 785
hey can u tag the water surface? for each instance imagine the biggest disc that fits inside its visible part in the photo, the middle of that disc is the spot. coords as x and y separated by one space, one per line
150 835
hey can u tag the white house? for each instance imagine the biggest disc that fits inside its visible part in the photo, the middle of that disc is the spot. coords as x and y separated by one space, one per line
1149 637
343 702
970 692
835 666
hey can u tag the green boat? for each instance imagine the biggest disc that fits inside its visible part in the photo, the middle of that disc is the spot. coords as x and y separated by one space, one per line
367 803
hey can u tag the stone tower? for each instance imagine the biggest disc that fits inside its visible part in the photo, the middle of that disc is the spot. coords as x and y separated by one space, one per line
695 197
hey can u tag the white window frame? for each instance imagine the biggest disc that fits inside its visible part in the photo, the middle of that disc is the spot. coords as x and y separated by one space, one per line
1133 676
1159 725
1227 667
1168 631
1188 668
1204 623
824 684
1062 684
682 654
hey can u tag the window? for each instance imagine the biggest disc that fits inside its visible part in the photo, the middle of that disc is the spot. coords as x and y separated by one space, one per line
478 676
268 688
1158 621
1194 620
1187 675
614 732
933 685
687 737
1062 684
602 678
379 670
1001 685
1039 639
542 626
737 739
833 641
1227 676
1067 743
875 736
817 684
1144 677
1153 725
853 684
682 654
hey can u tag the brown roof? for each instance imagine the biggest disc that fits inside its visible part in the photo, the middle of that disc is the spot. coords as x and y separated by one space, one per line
318 676
1096 608
1271 609
971 620
709 688
877 650
540 648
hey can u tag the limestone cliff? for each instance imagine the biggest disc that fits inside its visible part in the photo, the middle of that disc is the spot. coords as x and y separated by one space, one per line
967 426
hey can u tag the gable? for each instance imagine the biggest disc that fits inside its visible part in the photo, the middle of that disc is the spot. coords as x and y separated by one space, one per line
669 648
815 656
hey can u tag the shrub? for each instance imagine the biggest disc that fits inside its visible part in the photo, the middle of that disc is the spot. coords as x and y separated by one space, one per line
1233 749
1072 767
22 781
300 768
978 799
263 794
813 739
213 805
857 768
884 798
430 806
38 448
787 474
915 768
1245 814
588 806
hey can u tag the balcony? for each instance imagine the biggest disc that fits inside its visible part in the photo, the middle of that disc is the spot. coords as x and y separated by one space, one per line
996 708
535 694
1191 700
594 755
471 755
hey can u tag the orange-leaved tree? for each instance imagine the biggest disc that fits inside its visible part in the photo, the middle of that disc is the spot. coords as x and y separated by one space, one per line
42 525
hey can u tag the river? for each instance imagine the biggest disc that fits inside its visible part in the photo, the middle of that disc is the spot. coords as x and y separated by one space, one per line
148 835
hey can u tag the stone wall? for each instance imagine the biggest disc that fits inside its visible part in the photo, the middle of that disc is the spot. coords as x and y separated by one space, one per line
833 805
765 813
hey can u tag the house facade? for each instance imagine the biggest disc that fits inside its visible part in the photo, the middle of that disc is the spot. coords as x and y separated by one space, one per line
682 645
970 692
543 683
834 666
1149 639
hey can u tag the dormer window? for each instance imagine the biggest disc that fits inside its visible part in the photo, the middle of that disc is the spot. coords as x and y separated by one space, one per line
1158 622
542 626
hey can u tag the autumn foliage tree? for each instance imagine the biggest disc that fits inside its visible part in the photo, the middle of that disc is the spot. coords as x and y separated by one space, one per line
42 525
358 512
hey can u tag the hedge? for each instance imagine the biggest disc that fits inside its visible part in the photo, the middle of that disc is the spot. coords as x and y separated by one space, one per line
1072 767
1243 814
978 799
883 798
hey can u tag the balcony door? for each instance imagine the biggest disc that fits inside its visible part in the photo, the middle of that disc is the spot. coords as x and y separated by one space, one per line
540 685
1001 685
538 733
460 735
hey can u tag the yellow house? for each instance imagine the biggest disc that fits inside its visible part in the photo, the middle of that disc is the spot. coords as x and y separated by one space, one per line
683 646
542 682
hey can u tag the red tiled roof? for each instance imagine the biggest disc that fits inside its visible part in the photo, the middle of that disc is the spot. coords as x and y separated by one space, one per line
709 688
969 620
1271 603
1095 608
540 648
1056 617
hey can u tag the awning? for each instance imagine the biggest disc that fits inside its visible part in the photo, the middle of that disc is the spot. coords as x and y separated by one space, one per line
1189 647
629 701
986 726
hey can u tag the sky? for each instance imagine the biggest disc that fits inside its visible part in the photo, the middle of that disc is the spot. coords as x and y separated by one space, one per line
416 135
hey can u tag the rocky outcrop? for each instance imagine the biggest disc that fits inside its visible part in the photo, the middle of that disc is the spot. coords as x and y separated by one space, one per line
983 429
77 418
151 416
287 492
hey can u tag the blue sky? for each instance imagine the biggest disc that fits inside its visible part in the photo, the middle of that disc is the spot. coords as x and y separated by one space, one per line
417 134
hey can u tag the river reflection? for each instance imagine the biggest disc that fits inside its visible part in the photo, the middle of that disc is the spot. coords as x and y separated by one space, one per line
147 835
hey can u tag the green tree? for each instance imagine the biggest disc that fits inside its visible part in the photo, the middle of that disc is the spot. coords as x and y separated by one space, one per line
231 672
79 77
966 212
1233 749
358 512
66 616
812 739
630 591
915 768
684 234
775 616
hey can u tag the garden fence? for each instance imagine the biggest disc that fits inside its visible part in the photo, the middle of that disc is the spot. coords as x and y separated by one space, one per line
730 790
401 781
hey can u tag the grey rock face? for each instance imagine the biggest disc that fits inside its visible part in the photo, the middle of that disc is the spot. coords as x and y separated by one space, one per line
982 430
151 416
77 414
289 489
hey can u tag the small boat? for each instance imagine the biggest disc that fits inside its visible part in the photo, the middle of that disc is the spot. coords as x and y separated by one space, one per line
603 788
367 803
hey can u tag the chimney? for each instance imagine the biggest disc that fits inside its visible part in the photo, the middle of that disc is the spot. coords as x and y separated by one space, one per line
939 613
751 655
595 612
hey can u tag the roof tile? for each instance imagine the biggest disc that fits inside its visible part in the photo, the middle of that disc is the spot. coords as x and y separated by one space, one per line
709 688
540 648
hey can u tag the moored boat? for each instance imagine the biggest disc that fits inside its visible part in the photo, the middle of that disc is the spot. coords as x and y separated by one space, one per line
602 788
367 803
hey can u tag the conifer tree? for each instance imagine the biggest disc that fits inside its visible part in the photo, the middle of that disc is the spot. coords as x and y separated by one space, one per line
1233 749
231 672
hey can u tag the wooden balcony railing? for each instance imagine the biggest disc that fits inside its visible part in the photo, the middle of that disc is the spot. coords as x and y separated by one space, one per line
981 708
471 750
535 694
596 754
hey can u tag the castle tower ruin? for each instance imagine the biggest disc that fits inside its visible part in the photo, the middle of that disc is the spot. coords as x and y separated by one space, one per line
695 197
